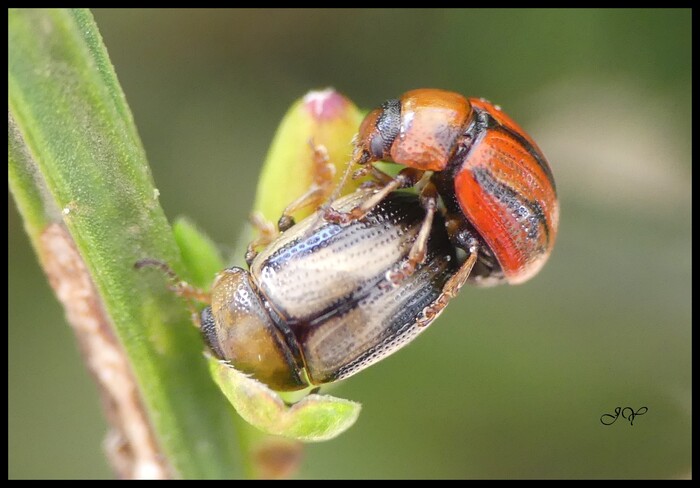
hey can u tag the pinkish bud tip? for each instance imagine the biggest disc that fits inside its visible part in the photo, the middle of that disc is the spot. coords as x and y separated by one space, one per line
325 104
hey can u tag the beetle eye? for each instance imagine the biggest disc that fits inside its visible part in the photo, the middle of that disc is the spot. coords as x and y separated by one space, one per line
387 129
376 146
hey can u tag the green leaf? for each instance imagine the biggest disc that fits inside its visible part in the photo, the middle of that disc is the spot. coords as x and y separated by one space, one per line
314 418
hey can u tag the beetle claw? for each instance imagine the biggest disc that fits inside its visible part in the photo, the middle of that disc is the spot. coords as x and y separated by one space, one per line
406 269
285 222
341 218
250 256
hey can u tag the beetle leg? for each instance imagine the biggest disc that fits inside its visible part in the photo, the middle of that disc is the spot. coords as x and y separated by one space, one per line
487 270
406 178
379 177
377 174
417 254
449 291
266 234
379 180
321 186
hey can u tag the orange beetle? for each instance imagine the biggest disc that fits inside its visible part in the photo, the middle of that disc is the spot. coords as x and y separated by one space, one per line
499 195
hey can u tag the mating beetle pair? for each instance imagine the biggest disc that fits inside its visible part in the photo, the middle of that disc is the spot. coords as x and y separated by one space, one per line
362 277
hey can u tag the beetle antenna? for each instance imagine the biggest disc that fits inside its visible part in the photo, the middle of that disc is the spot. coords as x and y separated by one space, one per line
341 184
181 288
335 194
161 265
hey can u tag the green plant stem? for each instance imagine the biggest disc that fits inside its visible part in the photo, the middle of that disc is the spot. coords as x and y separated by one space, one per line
82 184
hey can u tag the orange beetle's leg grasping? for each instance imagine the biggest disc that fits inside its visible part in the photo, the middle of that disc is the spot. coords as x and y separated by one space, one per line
417 254
379 177
450 290
406 178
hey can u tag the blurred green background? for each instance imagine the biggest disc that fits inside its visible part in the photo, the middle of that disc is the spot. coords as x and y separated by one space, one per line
511 381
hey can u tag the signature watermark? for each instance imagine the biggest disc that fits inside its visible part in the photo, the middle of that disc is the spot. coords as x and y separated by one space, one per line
627 413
